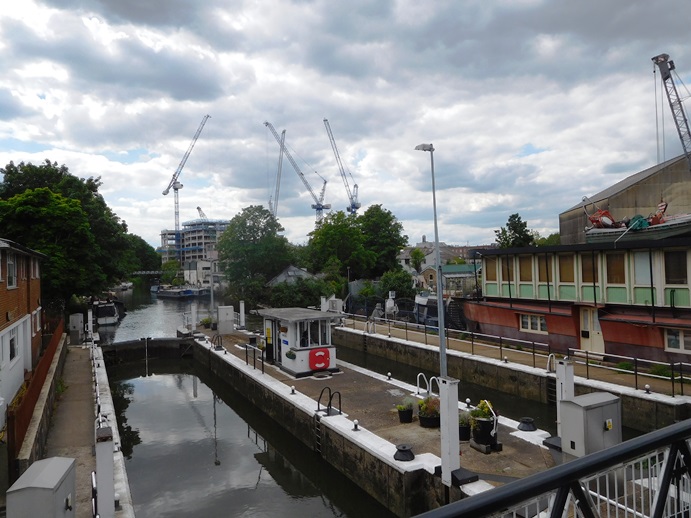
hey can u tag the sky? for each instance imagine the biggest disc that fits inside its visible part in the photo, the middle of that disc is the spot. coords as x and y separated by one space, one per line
530 104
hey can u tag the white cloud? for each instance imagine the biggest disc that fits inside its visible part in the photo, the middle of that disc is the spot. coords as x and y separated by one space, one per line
529 104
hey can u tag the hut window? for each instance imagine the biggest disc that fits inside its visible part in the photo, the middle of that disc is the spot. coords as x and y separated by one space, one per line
507 269
678 339
588 269
490 270
641 268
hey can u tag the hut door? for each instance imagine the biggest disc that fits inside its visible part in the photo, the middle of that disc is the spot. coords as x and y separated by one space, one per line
591 334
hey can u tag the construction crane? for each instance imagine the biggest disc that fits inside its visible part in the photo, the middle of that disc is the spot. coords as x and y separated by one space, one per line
176 185
666 66
273 202
201 213
318 204
352 195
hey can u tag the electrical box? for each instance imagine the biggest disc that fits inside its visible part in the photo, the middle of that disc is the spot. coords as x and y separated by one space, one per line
46 489
226 319
76 328
590 423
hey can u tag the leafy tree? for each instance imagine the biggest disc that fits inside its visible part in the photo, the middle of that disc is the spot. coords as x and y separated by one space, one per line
417 256
302 293
383 235
399 281
515 234
251 252
57 227
113 252
340 238
551 240
170 271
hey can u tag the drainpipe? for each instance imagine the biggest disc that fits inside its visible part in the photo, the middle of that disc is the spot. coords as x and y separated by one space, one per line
652 286
549 296
592 255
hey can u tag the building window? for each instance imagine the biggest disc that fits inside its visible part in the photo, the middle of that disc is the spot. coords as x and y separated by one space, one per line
589 268
678 340
525 267
11 271
507 269
616 272
641 268
543 274
675 267
13 343
566 268
533 323
490 270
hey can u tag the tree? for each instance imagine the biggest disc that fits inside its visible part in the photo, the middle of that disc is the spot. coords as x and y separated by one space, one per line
551 240
251 252
302 293
417 256
515 234
339 238
399 281
57 227
111 248
383 235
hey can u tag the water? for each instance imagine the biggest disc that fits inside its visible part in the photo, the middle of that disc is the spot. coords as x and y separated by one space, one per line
194 447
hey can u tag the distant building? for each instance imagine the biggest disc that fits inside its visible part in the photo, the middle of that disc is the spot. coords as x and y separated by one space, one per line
197 241
21 328
446 252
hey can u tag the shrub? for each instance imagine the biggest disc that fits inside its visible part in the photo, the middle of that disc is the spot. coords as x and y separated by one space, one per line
625 366
429 407
463 419
661 370
406 404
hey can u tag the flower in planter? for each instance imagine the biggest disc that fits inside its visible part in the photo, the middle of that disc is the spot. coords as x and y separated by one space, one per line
429 407
406 404
482 411
463 419
291 354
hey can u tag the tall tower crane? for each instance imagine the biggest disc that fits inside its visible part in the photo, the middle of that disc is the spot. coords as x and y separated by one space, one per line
176 185
273 202
666 66
201 213
318 204
352 195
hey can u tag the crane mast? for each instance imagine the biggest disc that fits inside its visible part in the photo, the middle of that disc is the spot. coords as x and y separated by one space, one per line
318 204
176 185
666 66
273 202
352 195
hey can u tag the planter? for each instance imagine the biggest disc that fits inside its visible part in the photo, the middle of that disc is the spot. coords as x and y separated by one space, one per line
482 431
429 422
405 416
464 433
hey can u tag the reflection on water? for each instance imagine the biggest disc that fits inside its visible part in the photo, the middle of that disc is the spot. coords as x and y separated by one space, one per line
199 451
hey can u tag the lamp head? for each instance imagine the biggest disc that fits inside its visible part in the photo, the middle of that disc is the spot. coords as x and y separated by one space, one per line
424 147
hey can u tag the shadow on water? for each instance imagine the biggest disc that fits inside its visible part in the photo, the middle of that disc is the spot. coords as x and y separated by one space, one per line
180 421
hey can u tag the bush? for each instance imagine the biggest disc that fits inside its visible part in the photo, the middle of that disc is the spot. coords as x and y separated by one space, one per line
625 366
406 404
429 407
661 370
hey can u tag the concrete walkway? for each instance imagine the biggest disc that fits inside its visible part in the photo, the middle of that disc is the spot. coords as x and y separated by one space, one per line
72 427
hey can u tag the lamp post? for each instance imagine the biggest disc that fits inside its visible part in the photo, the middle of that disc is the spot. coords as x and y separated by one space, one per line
437 258
448 387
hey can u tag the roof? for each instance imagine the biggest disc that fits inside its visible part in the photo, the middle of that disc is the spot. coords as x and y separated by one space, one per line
627 182
296 314
469 269
6 243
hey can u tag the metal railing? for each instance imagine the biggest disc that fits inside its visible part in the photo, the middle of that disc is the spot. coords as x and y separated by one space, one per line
668 378
646 477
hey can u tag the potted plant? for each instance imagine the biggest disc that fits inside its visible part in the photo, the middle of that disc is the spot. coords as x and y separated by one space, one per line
428 412
206 322
463 426
405 410
483 423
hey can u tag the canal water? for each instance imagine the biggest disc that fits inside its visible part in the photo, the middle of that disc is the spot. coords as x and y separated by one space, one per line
194 447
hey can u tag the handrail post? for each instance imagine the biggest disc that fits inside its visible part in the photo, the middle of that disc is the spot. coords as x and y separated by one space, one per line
635 372
501 354
533 354
672 367
472 342
587 366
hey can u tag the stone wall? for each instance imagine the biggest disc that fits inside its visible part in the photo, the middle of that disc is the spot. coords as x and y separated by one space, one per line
640 411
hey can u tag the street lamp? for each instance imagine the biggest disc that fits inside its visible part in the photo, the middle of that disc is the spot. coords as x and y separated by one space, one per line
437 258
448 387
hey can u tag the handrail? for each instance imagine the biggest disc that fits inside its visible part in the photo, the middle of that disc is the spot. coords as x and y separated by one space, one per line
568 475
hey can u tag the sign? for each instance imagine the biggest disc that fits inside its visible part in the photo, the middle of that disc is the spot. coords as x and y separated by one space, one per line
320 359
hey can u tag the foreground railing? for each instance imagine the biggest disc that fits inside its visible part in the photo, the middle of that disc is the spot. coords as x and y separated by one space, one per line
645 477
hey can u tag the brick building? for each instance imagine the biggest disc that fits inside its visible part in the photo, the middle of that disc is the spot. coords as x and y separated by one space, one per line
20 317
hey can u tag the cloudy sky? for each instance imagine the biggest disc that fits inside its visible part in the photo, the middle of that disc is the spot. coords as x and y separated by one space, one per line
530 104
